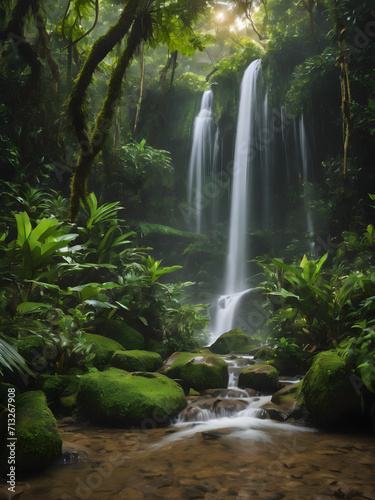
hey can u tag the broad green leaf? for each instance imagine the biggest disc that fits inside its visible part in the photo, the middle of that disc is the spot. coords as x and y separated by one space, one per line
44 229
31 307
144 320
319 266
285 294
304 261
23 227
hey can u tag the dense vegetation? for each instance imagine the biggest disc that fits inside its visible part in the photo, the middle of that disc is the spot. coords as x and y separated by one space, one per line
97 105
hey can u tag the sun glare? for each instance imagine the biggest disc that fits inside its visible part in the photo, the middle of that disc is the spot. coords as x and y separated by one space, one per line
220 17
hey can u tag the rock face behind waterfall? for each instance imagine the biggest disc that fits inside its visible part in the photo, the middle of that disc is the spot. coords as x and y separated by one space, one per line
196 371
235 340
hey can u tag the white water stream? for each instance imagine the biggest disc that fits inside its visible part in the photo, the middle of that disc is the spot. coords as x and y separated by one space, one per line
201 160
235 274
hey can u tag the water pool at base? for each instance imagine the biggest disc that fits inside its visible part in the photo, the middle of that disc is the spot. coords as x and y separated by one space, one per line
209 463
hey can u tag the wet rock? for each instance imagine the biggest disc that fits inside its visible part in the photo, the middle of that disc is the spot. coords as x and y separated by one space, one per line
230 405
262 378
235 340
286 397
275 413
73 453
229 393
199 372
117 398
206 407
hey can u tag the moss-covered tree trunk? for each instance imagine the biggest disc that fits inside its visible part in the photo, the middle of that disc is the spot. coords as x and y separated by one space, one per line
98 52
90 147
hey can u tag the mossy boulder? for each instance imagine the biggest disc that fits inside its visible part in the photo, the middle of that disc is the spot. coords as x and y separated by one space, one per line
117 398
265 354
235 340
103 348
328 392
133 361
197 371
38 439
261 378
287 397
121 333
60 391
56 386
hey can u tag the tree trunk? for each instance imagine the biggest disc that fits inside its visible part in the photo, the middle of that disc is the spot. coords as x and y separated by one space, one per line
92 146
102 46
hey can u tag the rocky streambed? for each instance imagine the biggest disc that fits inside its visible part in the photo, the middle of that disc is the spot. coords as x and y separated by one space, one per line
153 464
227 443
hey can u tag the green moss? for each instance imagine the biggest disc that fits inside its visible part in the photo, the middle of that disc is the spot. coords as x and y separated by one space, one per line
235 340
38 439
266 354
327 391
35 351
136 360
117 398
56 386
287 396
262 378
103 348
199 372
121 333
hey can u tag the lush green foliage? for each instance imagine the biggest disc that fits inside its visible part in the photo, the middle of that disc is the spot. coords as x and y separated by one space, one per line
311 306
56 279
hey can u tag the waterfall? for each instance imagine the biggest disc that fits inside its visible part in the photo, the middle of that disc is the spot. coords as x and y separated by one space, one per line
305 158
235 275
201 161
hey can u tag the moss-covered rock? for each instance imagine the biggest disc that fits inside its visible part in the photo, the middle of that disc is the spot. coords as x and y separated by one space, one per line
287 397
262 378
265 354
197 371
328 393
133 361
103 348
235 340
38 438
56 386
121 333
117 398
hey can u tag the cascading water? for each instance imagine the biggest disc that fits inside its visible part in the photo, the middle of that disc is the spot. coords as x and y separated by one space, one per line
305 156
271 153
201 160
235 277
